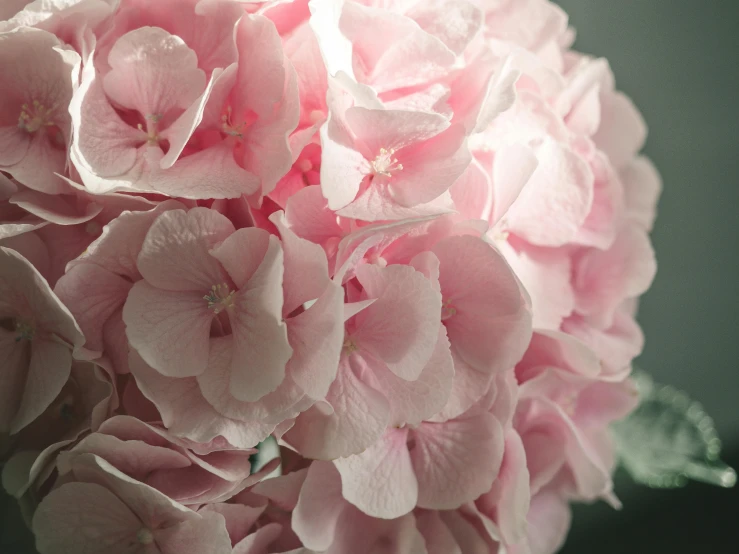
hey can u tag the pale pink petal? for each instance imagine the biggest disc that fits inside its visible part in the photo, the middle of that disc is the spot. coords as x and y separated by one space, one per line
466 535
510 492
473 193
319 506
309 217
342 169
430 168
546 274
175 254
603 279
169 329
622 130
602 403
209 173
378 204
258 541
544 440
391 129
48 371
85 517
468 387
401 327
513 166
359 417
549 520
266 83
180 131
616 346
601 225
438 537
414 401
454 23
242 252
642 188
59 209
485 311
261 348
316 337
92 294
559 192
456 461
153 72
186 413
306 267
214 386
380 481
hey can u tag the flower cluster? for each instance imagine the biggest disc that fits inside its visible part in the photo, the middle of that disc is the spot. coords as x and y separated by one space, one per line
402 241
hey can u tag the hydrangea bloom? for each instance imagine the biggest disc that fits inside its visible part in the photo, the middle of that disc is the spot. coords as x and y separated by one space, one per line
401 241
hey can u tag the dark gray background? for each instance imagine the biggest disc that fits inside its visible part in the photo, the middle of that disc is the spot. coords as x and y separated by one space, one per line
679 61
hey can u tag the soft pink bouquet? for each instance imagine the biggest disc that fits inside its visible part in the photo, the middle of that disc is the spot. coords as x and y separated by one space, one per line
398 242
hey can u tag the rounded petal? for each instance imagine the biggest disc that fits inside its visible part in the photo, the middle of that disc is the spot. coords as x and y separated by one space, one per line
456 461
169 329
487 316
401 327
380 481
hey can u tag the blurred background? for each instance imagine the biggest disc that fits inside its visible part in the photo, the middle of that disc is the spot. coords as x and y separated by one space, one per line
679 61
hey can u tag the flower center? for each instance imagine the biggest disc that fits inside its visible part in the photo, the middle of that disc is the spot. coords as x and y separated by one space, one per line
25 330
35 116
145 536
235 129
152 133
385 164
349 346
220 298
447 310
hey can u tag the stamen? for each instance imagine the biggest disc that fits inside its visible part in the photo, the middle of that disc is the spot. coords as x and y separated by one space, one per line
145 536
25 331
349 345
385 164
228 126
35 117
152 137
220 298
447 310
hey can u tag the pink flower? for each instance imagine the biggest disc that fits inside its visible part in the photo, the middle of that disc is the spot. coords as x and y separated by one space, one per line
188 473
566 403
401 243
434 465
258 519
395 367
37 336
96 284
72 21
95 507
85 401
325 522
40 76
381 163
220 294
169 109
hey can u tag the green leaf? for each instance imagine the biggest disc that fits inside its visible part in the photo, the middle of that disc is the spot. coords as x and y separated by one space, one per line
669 439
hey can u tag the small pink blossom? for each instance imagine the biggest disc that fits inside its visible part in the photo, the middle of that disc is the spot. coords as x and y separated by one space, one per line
40 76
96 508
38 335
